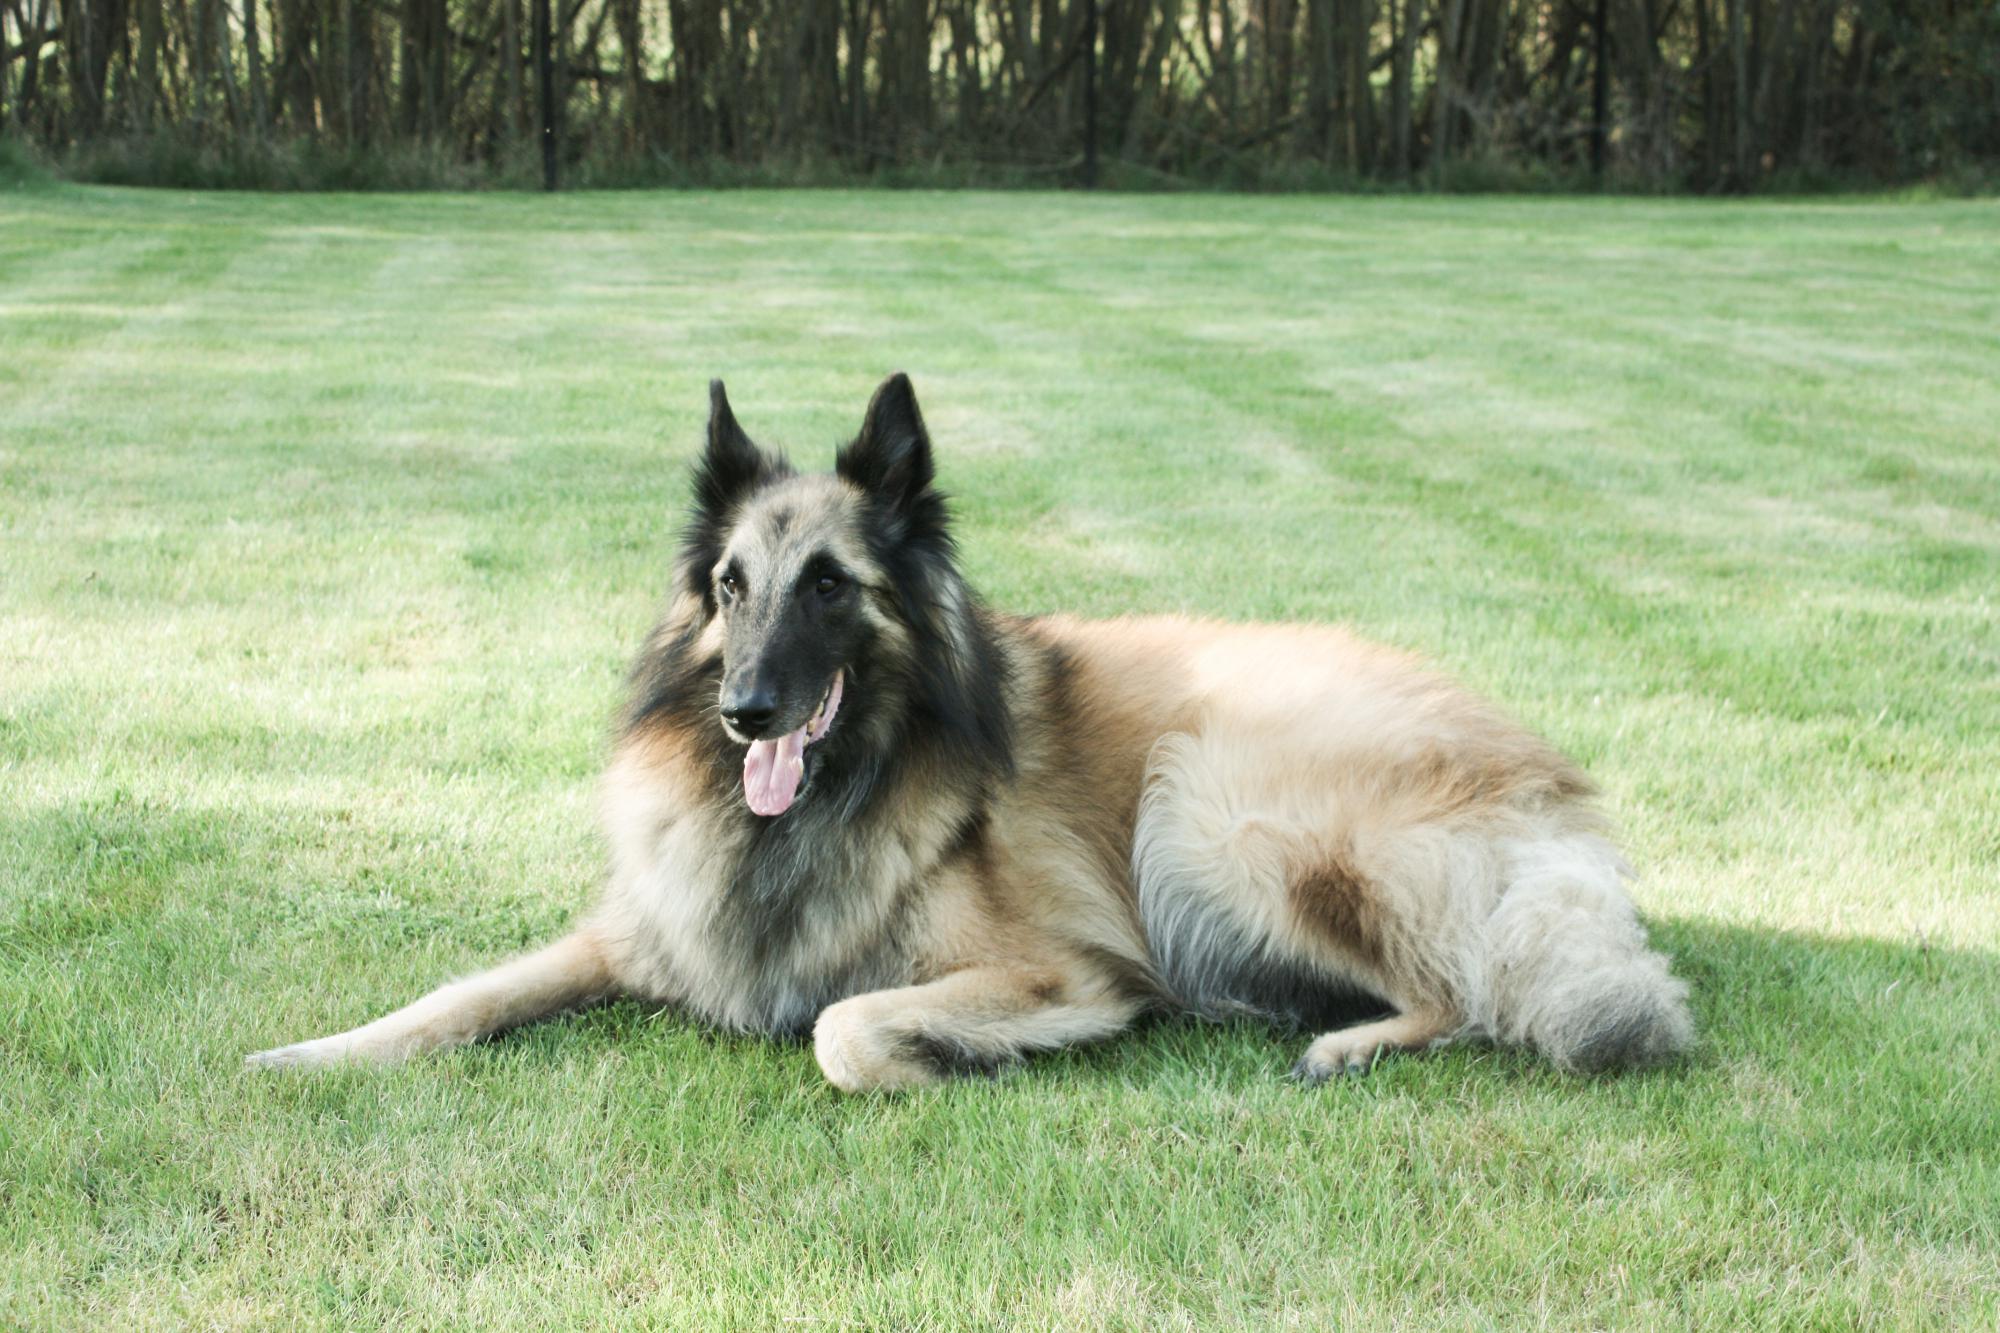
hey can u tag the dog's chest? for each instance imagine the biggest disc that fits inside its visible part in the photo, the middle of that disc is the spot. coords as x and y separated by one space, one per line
759 929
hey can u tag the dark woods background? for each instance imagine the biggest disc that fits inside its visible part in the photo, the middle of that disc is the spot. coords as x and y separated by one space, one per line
1662 94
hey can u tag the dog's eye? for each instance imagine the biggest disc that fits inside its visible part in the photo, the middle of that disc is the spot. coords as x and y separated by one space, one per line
827 586
730 587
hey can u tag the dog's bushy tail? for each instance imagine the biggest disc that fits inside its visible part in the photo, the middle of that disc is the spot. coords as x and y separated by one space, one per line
1571 974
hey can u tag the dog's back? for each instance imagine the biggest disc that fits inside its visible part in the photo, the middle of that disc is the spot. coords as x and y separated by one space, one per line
1308 816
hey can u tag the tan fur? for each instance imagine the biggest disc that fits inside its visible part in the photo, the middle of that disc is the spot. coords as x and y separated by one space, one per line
568 974
1352 810
1045 827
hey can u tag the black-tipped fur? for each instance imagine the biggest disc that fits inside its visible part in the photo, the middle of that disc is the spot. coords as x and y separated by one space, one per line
952 683
939 705
891 458
1169 833
731 468
957 670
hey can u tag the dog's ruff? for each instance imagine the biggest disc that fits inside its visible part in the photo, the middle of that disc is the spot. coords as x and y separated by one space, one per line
994 835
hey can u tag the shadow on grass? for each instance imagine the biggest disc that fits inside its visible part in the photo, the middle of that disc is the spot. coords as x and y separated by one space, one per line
146 891
1826 1009
1757 994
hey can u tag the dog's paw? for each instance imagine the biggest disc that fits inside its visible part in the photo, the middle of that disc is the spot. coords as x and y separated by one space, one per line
1331 1057
859 1052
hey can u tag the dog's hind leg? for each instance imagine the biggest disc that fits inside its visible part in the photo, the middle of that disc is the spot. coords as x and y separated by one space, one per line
568 974
1353 1050
977 1019
1526 937
1470 890
1259 895
1400 910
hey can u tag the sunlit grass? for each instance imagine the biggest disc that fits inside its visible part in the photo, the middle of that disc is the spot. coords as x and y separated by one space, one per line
327 526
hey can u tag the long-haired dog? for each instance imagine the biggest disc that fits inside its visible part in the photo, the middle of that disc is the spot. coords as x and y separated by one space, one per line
848 799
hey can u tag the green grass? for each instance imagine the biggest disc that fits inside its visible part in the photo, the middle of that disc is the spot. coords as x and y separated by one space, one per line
327 526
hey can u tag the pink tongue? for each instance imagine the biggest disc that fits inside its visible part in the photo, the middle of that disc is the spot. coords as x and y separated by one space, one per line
771 772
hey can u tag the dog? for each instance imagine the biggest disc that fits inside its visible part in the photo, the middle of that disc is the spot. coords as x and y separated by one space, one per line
847 799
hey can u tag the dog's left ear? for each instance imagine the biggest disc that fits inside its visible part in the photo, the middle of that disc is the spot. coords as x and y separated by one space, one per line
891 458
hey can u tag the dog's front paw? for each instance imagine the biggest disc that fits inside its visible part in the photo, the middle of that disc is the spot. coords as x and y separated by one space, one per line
302 1055
860 1051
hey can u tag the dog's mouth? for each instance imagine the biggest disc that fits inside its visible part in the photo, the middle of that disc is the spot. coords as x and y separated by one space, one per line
773 770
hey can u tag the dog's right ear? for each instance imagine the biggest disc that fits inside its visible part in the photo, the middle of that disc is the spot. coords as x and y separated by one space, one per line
731 466
891 458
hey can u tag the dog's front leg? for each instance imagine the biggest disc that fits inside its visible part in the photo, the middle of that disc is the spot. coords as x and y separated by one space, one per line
568 974
978 1018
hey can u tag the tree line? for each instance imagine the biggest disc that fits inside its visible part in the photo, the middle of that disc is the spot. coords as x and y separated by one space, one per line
1662 94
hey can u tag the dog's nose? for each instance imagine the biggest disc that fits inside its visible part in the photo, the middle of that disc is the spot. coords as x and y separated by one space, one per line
750 711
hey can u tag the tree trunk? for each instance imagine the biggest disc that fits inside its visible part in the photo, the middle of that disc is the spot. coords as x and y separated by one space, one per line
200 28
1357 96
148 90
1321 53
1403 20
1279 57
631 42
860 14
297 22
511 119
425 37
1444 84
1477 44
1768 106
1704 56
90 29
545 91
963 23
352 99
253 50
225 65
1739 57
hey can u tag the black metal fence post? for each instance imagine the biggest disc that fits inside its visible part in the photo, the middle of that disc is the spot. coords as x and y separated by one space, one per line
545 85
1090 95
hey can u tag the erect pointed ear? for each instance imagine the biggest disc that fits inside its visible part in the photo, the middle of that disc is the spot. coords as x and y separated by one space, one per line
891 458
731 465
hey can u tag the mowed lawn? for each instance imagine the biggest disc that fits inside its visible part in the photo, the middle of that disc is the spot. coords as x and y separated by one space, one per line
327 526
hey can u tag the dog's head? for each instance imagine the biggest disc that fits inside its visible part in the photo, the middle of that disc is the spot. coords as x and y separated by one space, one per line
815 587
